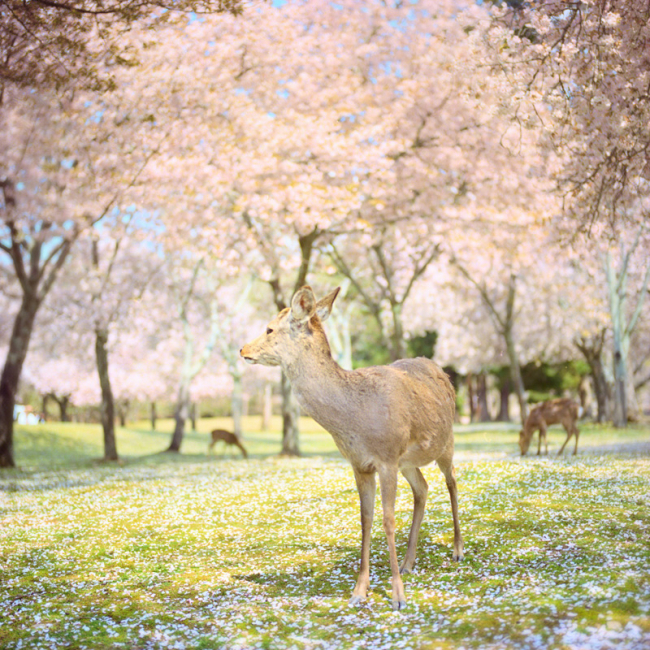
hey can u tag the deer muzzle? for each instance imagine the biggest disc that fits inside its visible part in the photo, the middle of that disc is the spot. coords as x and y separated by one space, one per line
246 354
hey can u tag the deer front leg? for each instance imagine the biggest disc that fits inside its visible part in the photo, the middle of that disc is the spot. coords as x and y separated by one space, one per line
366 488
388 486
576 433
420 488
542 434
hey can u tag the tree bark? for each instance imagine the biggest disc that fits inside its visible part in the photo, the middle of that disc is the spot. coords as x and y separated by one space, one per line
180 415
620 393
108 404
18 346
592 350
153 416
193 415
481 391
504 401
237 404
63 403
290 444
471 398
46 399
290 430
515 374
122 411
398 342
267 408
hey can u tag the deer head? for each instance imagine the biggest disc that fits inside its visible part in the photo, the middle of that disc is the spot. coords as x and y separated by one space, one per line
524 442
293 332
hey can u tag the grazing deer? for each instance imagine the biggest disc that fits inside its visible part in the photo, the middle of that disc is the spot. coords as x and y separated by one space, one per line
384 420
562 411
228 438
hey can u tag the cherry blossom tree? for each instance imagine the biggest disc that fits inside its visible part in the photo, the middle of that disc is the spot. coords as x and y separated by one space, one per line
192 288
38 230
47 43
396 257
589 62
624 320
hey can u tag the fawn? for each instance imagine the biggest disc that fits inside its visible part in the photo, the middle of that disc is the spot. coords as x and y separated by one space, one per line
562 411
228 438
384 420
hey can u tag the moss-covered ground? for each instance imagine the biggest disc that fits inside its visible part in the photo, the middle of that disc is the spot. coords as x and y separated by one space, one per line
191 551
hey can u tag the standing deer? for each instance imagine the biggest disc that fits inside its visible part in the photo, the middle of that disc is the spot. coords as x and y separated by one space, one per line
562 411
384 420
228 438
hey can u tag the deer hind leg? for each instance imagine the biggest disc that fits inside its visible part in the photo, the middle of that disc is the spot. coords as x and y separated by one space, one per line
366 487
447 468
420 488
388 486
569 431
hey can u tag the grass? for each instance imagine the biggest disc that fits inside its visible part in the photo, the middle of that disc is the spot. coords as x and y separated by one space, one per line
190 551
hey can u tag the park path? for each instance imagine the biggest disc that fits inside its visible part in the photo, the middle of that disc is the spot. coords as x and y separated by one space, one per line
638 448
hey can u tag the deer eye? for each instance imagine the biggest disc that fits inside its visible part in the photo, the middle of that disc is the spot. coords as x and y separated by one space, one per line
269 330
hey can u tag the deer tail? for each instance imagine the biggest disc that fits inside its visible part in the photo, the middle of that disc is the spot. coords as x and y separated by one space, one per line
581 412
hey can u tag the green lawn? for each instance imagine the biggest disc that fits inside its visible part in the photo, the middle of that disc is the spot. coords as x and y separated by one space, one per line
193 551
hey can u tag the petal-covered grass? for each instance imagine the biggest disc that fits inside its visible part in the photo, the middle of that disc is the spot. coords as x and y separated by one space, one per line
192 551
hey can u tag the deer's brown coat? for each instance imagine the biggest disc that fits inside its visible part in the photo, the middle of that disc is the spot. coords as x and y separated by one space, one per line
383 419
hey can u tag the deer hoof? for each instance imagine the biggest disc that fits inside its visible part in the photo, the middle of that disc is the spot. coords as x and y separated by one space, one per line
398 605
356 600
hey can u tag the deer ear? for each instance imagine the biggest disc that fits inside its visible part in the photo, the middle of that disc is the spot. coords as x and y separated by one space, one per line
303 304
324 305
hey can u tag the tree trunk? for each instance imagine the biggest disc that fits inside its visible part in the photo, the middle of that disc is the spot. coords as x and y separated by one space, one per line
122 412
267 408
153 416
515 374
620 375
290 445
631 402
180 415
18 346
46 399
504 401
398 347
193 415
63 403
290 430
471 397
592 349
481 390
108 404
237 404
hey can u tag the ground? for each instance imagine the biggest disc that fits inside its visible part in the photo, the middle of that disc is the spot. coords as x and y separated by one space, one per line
190 551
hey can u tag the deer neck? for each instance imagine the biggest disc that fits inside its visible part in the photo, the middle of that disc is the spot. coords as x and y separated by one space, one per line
319 383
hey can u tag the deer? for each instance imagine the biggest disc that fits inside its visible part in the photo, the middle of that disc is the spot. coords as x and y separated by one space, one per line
383 419
228 438
562 411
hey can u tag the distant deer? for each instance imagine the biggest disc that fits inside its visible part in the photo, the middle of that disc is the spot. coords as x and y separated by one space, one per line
562 411
384 420
228 438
